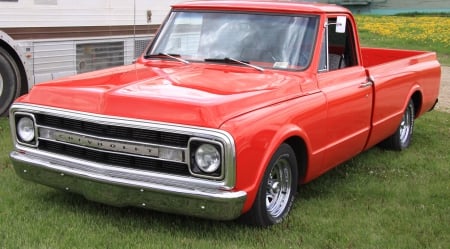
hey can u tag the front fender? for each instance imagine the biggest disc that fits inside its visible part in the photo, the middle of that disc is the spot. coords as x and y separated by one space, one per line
258 135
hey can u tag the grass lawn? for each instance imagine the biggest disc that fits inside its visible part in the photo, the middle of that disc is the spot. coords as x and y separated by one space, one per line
380 199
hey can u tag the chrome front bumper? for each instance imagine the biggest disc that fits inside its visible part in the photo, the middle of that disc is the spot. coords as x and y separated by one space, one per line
123 187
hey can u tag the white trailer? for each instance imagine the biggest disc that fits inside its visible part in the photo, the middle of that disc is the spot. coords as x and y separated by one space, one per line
41 40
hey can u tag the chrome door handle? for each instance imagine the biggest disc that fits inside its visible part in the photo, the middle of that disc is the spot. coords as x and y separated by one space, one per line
366 84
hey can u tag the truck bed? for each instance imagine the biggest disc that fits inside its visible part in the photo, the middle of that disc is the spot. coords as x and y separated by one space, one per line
396 75
376 56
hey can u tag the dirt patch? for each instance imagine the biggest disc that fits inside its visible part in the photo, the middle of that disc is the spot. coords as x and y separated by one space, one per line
444 93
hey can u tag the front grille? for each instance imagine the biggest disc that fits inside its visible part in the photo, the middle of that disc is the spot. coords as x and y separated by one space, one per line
115 159
117 132
155 137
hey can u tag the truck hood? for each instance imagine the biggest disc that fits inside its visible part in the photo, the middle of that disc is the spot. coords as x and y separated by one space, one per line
196 94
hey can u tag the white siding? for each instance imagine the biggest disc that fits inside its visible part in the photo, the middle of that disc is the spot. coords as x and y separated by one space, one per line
160 9
60 13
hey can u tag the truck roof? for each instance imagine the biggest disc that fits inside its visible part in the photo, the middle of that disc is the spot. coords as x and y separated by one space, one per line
286 6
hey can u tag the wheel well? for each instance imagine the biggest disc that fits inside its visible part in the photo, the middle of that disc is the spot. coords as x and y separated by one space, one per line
299 147
23 75
417 100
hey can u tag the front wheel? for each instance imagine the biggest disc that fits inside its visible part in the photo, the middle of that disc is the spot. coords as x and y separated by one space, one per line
277 189
9 81
401 139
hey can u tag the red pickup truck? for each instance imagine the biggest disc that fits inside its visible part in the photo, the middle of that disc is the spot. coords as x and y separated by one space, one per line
233 105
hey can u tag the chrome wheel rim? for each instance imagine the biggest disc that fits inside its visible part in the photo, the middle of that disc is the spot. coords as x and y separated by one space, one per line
278 187
405 126
1 85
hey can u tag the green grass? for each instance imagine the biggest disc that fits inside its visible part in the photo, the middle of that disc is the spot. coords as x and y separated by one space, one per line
380 199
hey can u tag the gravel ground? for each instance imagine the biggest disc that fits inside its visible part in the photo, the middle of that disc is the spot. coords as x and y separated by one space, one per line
444 93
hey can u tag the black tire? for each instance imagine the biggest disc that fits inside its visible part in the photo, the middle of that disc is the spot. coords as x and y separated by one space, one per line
277 190
10 81
402 137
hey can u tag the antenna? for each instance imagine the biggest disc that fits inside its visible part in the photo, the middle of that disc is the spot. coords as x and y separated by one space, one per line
134 22
134 19
134 38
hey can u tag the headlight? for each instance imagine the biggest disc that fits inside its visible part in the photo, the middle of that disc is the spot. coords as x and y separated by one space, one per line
207 158
25 129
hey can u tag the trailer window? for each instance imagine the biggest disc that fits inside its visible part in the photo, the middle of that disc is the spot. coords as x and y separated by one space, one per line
95 56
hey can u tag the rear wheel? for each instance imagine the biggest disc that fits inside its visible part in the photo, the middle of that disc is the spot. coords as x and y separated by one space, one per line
10 80
277 189
401 139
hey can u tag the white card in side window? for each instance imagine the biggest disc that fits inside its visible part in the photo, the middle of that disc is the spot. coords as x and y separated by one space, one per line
281 64
340 24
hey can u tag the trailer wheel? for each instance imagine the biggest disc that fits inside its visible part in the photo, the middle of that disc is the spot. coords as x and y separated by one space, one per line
277 190
401 139
9 81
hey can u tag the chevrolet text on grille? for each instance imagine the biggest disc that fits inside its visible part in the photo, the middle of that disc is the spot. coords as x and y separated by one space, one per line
105 144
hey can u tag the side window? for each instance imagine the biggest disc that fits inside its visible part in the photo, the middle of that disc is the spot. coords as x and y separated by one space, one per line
338 49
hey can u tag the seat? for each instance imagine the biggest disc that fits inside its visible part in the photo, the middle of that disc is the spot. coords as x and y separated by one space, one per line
336 61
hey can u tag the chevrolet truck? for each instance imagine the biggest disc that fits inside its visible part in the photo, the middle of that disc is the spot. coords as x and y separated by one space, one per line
232 107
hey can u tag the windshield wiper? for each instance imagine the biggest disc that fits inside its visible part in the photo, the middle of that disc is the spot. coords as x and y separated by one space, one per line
232 60
171 56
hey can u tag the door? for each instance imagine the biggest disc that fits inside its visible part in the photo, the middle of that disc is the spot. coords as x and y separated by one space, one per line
349 95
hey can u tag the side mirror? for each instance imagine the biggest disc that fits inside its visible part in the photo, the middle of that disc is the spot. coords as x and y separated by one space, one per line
340 24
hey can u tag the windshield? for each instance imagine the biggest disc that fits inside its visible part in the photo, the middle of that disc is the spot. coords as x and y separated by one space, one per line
270 41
